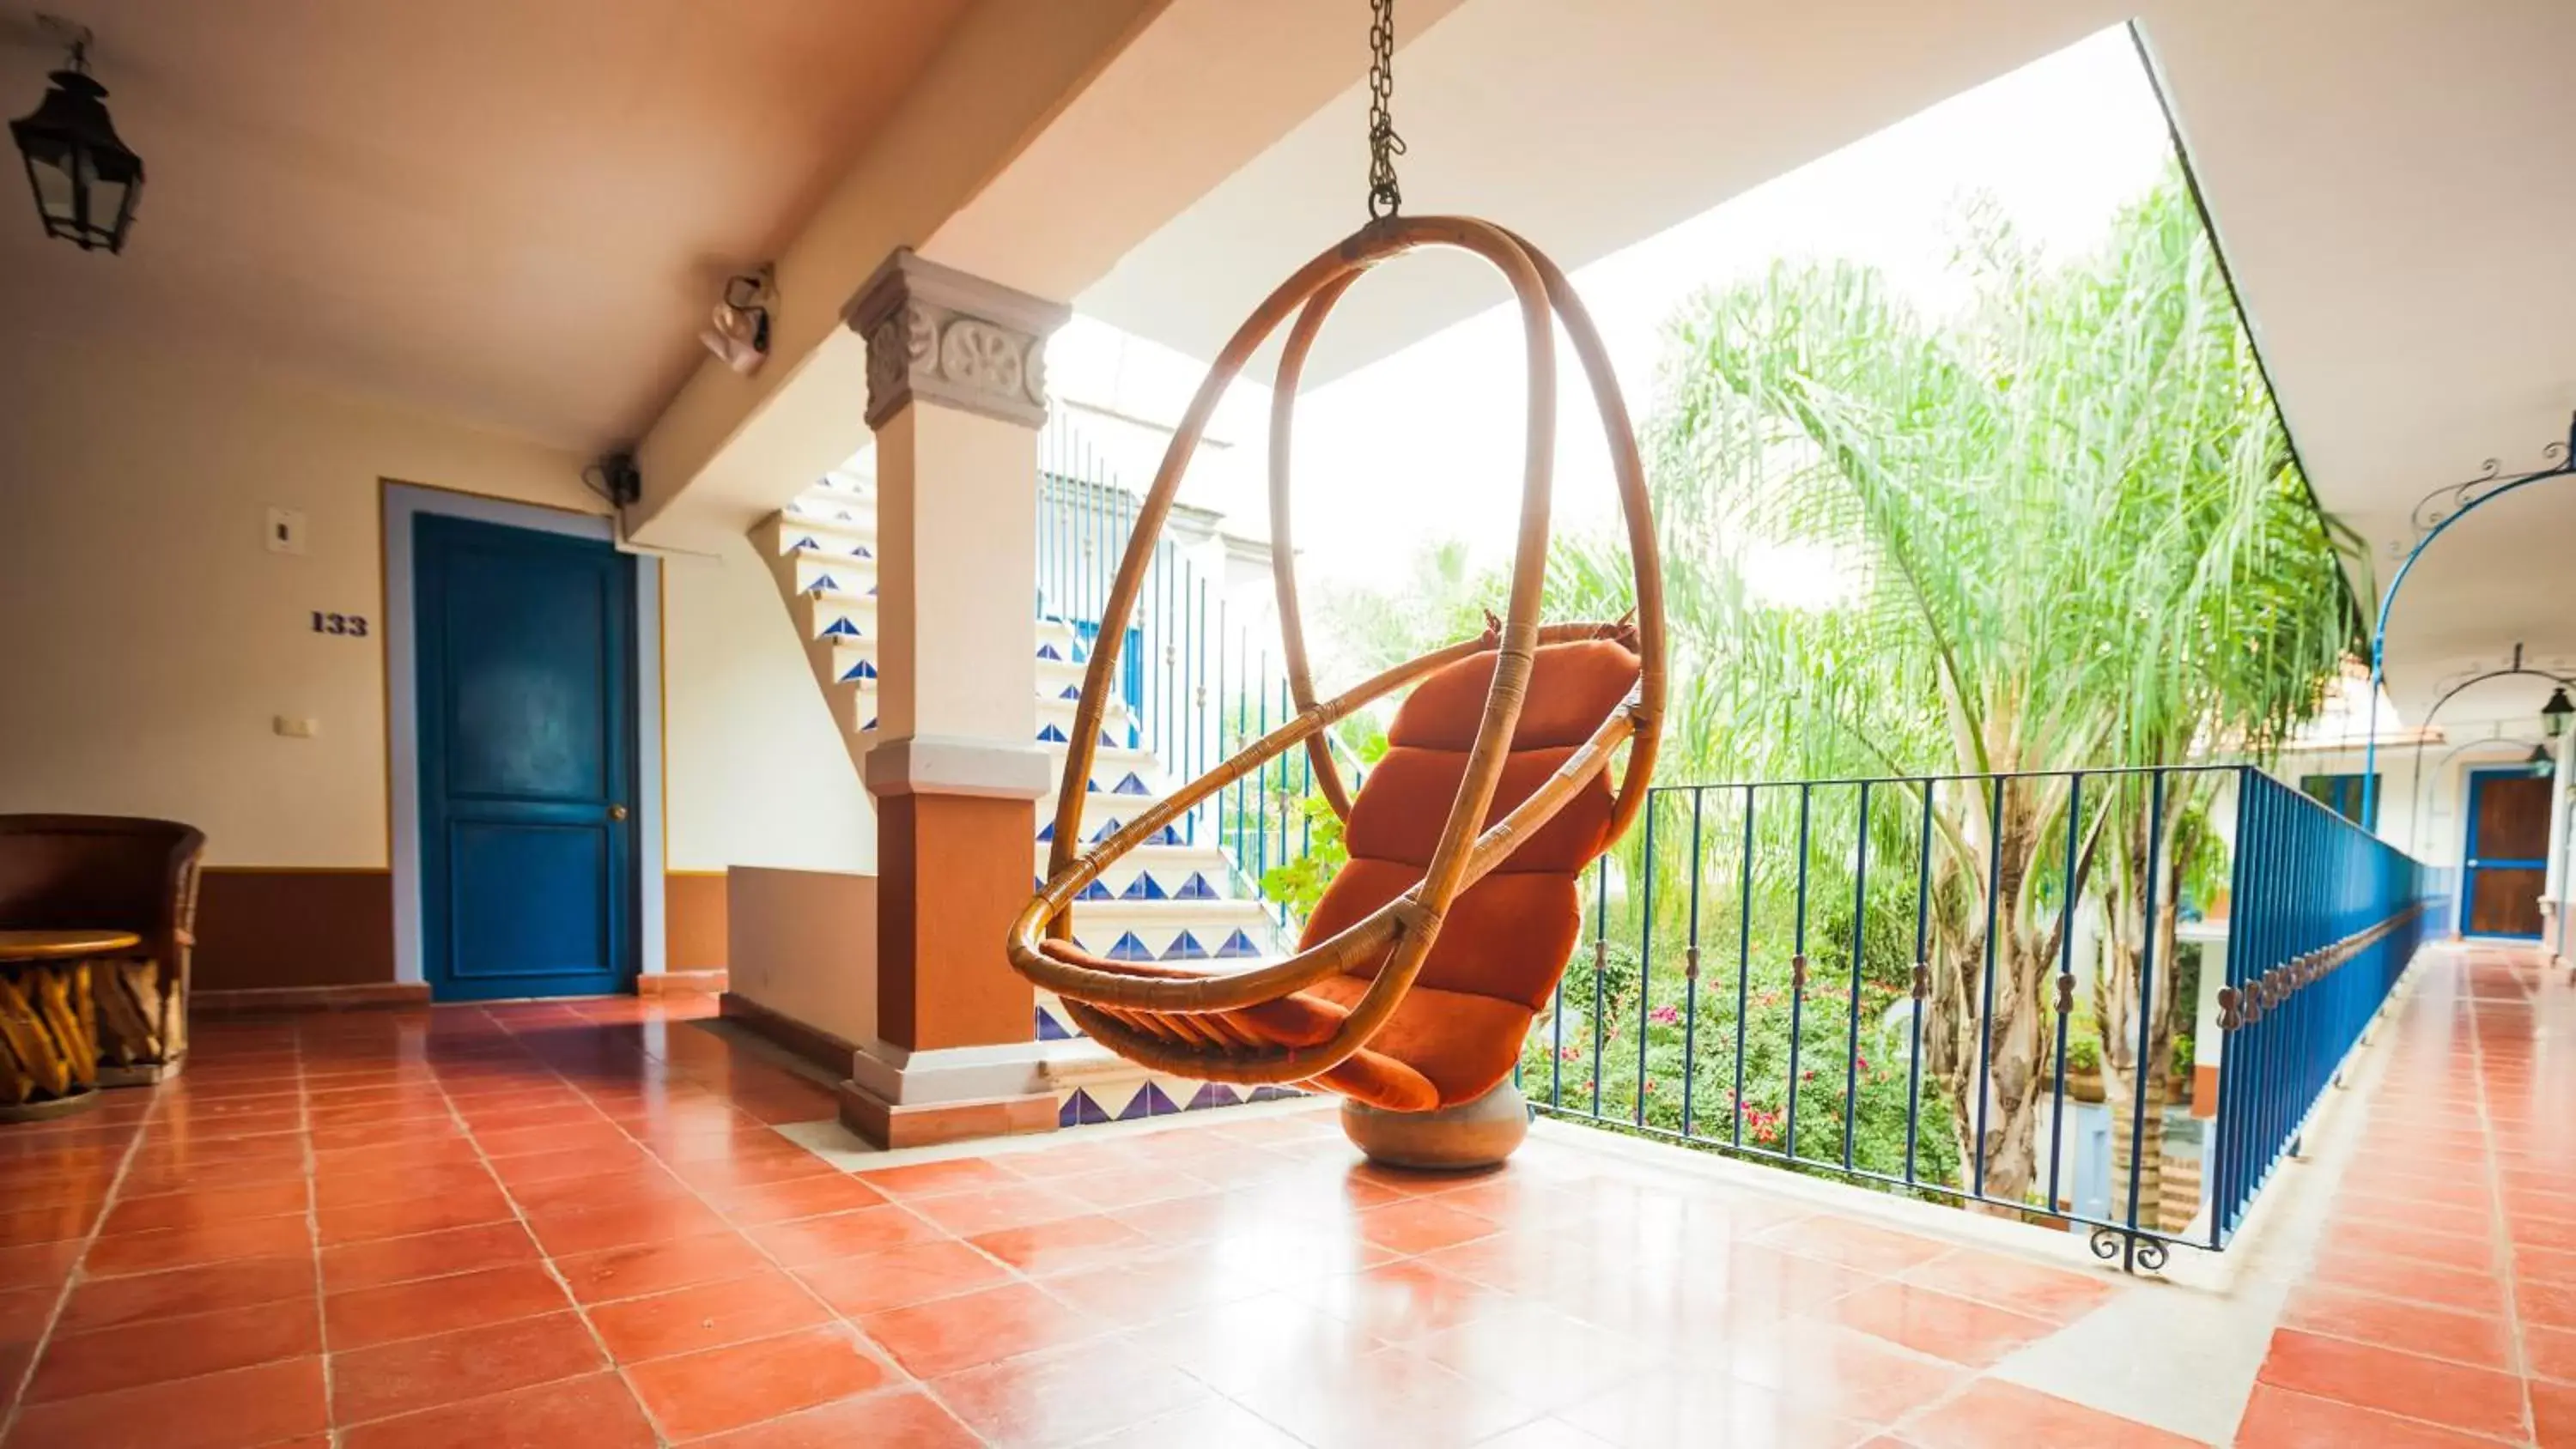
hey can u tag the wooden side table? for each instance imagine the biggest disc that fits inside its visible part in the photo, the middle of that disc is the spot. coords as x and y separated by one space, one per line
49 1021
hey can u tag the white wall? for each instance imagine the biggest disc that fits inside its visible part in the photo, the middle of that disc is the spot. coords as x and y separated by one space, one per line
758 773
804 945
149 638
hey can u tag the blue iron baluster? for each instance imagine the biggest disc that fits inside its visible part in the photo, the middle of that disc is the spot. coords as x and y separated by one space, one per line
2146 1013
1690 970
1922 979
1600 970
1986 1001
1645 956
1798 969
1556 1044
2066 903
1743 962
1860 915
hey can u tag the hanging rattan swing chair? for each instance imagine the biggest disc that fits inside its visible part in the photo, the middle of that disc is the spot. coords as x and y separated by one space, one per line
1429 955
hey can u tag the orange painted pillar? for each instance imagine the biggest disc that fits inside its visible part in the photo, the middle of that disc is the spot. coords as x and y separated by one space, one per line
956 398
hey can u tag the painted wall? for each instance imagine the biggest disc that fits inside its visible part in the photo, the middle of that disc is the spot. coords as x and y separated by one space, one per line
151 639
154 639
758 774
804 945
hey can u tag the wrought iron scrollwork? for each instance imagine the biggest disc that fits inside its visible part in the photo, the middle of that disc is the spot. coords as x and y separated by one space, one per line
2135 1251
2443 504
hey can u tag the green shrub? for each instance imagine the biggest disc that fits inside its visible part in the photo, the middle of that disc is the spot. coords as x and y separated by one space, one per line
1694 1042
2083 1052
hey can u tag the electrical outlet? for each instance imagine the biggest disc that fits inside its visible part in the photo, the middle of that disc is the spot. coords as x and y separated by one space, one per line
286 530
298 727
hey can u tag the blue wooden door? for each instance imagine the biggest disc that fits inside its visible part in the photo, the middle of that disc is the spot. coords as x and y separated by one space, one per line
527 761
2507 862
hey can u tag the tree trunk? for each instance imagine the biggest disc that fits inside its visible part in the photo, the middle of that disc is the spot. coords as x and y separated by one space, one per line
2008 1042
2118 1006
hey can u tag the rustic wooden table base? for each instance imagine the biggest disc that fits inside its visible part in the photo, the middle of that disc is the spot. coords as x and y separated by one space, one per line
49 1019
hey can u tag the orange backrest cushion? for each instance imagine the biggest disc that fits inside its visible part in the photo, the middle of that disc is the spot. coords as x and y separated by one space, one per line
1508 936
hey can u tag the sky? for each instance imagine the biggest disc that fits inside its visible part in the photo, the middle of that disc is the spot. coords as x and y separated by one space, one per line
1426 442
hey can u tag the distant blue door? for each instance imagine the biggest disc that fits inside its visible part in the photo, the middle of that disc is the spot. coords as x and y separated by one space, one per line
527 761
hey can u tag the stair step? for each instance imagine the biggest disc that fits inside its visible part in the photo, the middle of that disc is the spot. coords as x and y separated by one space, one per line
817 571
853 522
1099 808
1101 926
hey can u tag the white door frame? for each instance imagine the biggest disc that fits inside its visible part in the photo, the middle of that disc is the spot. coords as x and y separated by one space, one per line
404 502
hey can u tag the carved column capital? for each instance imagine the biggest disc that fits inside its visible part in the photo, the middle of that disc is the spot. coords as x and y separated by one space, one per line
936 334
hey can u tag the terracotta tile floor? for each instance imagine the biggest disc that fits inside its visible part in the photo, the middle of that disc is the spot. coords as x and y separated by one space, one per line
2442 1306
574 1225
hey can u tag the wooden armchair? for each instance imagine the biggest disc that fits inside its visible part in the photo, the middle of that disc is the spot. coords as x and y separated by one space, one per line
111 872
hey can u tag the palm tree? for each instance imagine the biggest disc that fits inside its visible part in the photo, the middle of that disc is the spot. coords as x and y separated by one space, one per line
2073 539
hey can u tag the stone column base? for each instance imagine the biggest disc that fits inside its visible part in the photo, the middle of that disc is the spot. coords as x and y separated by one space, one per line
898 1098
894 1124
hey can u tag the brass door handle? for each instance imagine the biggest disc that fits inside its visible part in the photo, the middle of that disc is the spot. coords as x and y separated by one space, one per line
616 812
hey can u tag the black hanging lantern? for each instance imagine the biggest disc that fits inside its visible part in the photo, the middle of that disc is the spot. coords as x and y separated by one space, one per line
85 179
2553 715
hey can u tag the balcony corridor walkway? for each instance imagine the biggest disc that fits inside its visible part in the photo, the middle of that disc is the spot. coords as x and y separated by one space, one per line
2444 1286
580 1225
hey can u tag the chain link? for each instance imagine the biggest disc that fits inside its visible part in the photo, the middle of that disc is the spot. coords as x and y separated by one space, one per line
1384 198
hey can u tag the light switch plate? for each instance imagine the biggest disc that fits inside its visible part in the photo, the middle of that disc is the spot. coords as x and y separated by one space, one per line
286 530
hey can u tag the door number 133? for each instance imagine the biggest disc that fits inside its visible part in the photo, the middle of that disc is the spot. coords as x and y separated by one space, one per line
354 625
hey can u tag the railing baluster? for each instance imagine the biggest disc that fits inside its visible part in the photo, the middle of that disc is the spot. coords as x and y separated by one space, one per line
1690 971
1860 918
1600 970
1922 979
1986 1001
1556 1041
2066 897
2146 1016
1798 969
1645 955
1743 962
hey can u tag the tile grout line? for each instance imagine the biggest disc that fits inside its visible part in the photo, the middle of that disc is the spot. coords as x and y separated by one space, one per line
72 1279
519 1215
2499 1227
313 1234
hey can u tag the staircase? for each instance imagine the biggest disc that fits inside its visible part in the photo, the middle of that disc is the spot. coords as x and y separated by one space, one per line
1173 900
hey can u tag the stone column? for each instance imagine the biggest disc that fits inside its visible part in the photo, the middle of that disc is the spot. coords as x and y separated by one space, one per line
956 395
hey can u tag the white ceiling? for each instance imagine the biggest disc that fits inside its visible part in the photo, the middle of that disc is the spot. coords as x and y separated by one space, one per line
1588 126
2390 185
515 212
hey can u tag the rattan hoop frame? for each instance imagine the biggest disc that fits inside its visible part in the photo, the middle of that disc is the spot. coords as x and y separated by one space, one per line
1404 929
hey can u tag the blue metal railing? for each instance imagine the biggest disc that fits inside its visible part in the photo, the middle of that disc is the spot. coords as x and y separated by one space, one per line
1867 979
2327 917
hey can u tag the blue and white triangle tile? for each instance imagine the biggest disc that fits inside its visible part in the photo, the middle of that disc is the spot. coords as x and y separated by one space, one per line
1214 1094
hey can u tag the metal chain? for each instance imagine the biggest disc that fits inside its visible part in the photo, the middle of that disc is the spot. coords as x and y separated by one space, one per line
1384 199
